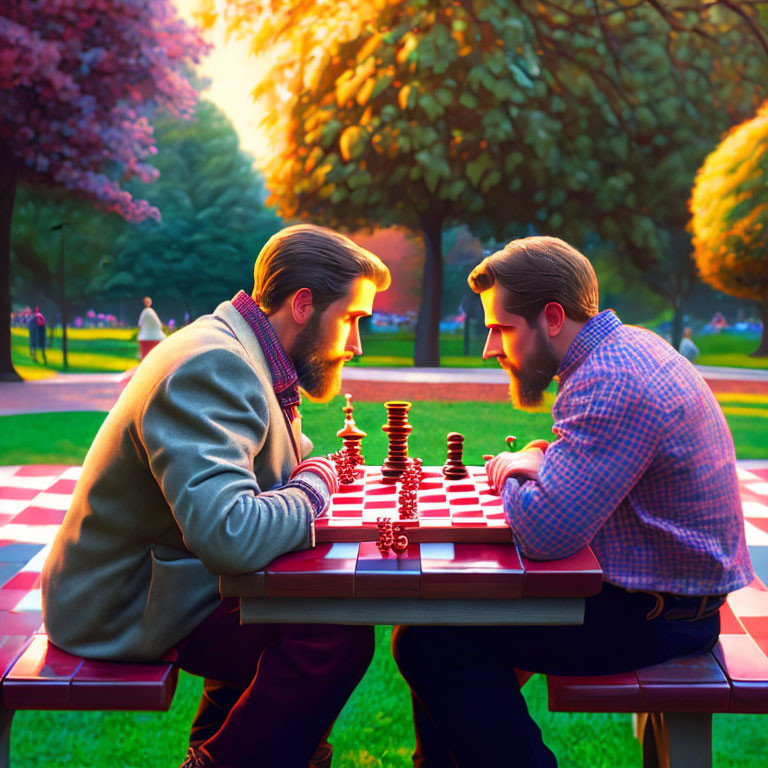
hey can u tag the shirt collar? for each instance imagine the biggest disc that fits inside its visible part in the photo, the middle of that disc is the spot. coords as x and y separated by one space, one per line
594 331
281 367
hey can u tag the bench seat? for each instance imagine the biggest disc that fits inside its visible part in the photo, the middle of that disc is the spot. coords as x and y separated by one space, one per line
38 675
674 701
44 677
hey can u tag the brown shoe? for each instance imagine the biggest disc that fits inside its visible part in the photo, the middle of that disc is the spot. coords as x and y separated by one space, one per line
322 757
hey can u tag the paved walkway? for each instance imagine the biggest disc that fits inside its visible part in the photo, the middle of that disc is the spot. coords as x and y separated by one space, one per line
66 392
99 391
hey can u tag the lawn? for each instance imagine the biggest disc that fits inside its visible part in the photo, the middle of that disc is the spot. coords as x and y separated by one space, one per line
92 350
729 350
374 729
68 435
89 350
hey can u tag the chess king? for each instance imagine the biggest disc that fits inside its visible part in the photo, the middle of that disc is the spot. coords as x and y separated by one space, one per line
642 470
200 469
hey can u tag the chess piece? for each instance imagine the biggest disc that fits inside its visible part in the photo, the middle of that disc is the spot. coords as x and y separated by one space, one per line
407 503
397 429
418 471
399 540
386 536
345 469
454 468
351 435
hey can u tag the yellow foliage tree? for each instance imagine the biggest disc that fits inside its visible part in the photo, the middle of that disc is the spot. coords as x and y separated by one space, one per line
730 216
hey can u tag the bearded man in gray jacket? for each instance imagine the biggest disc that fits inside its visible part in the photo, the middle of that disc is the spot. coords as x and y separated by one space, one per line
200 470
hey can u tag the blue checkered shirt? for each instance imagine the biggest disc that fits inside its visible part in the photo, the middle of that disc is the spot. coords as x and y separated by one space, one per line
643 469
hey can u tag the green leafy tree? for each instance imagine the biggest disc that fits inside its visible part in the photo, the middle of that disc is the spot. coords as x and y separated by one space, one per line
494 114
57 243
214 218
730 216
78 82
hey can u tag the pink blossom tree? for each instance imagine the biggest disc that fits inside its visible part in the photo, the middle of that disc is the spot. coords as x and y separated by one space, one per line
79 82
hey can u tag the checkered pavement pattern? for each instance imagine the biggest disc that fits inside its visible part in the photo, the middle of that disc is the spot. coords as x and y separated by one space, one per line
34 499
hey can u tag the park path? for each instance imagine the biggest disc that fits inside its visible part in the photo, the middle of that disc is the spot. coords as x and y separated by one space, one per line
99 391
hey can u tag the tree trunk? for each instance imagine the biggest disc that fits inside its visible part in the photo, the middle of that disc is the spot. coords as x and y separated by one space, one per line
427 347
8 169
63 302
762 350
677 322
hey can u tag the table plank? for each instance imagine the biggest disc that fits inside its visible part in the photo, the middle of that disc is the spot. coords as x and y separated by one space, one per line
538 611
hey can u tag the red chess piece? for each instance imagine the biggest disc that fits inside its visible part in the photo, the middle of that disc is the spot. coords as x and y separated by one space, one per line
344 467
418 471
386 537
400 540
397 429
407 496
454 468
351 435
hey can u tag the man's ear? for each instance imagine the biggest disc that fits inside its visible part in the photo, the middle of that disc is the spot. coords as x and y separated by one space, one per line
554 315
301 305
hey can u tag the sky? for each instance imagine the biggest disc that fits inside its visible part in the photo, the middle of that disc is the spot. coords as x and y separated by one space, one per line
233 74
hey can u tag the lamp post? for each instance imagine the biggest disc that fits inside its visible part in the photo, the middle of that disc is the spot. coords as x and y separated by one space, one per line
62 294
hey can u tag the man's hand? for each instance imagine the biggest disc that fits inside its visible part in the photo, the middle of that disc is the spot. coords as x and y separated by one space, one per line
523 465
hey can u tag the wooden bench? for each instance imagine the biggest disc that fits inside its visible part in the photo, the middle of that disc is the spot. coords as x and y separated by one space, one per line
37 675
673 702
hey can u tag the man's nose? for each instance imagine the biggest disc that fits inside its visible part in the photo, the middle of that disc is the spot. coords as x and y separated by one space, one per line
354 345
493 346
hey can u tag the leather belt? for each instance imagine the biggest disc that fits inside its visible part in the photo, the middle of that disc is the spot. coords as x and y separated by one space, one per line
683 607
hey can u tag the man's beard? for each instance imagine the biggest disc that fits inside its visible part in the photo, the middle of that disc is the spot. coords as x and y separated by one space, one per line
318 376
527 385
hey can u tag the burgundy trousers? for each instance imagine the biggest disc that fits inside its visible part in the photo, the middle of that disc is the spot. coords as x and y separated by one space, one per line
271 691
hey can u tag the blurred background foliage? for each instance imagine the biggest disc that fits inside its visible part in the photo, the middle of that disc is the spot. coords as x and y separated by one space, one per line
433 132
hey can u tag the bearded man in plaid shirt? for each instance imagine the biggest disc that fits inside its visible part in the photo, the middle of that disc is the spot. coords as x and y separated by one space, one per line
642 469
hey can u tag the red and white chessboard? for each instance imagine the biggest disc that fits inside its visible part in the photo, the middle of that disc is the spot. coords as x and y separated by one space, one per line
449 510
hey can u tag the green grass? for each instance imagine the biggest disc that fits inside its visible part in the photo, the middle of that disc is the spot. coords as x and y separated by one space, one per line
92 350
374 730
388 350
396 350
431 421
89 350
729 351
48 438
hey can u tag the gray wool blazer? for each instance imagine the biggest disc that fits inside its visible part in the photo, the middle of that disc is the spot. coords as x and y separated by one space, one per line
175 490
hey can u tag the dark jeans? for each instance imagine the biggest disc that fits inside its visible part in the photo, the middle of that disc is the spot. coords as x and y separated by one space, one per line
467 705
271 690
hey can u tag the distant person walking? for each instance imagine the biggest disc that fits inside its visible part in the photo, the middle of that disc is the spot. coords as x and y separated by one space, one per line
687 348
150 329
37 335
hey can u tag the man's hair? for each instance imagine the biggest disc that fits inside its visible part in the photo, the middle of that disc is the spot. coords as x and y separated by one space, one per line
308 256
536 271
